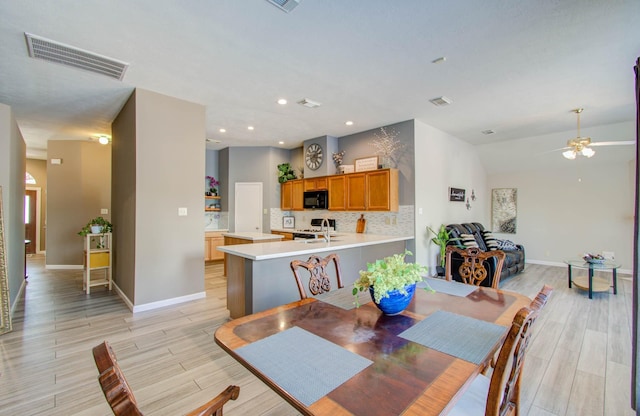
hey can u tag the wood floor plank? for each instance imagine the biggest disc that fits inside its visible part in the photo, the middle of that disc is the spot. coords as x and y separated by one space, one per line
587 395
173 364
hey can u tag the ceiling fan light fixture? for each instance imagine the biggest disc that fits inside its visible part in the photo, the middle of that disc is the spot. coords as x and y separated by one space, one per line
569 154
588 152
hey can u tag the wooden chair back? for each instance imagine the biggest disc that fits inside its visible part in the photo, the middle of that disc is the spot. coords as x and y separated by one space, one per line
120 397
472 270
319 281
504 389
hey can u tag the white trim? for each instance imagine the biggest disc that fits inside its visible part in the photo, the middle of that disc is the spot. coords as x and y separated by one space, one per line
168 302
64 267
557 264
159 304
18 297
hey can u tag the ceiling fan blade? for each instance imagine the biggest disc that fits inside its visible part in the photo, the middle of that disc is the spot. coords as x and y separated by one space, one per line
620 143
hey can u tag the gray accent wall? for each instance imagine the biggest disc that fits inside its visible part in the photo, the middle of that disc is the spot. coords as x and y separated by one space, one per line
159 169
12 168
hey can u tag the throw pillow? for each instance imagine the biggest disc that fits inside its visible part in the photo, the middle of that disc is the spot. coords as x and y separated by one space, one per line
468 240
490 240
506 245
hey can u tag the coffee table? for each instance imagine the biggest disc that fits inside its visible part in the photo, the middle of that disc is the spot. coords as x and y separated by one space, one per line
591 283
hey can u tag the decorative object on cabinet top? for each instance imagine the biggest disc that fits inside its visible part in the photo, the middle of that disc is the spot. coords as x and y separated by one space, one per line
388 147
285 173
213 186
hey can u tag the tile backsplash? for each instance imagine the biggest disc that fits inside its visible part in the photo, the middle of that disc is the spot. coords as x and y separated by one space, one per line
387 223
216 220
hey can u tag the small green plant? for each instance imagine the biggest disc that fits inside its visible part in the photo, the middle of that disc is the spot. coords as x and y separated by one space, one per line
285 173
99 221
390 273
442 237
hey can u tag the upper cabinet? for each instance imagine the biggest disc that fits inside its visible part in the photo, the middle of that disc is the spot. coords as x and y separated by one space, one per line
315 184
291 195
375 190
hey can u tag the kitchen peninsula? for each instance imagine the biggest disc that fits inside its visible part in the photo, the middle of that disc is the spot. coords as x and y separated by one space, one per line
259 276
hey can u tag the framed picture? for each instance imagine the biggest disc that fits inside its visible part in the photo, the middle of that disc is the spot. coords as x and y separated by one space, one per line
366 163
288 222
456 194
504 203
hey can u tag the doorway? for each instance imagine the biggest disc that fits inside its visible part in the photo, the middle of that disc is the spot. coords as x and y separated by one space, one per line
248 207
32 220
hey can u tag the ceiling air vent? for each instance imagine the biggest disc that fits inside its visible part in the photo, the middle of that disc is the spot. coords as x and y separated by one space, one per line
285 5
60 53
440 101
308 103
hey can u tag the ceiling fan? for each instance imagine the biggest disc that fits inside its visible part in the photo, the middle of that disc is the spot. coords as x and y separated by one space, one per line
583 145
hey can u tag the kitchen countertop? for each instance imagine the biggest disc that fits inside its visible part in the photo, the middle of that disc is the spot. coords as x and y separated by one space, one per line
253 236
216 230
277 249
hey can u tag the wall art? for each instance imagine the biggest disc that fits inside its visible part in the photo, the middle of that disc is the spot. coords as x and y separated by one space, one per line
504 202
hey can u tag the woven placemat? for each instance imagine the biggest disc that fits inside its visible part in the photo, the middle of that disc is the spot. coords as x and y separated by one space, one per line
460 336
449 287
343 298
305 365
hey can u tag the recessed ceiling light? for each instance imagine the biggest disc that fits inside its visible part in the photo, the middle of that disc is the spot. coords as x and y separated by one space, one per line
487 131
222 130
103 139
440 101
280 142
250 128
440 60
349 123
309 103
282 101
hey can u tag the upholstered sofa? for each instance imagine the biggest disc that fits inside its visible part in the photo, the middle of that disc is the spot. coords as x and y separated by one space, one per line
475 233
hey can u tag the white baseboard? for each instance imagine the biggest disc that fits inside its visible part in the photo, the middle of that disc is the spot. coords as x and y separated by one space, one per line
159 304
18 297
562 264
64 266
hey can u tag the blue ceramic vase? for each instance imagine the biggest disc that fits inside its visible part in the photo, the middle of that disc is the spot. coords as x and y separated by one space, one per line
396 302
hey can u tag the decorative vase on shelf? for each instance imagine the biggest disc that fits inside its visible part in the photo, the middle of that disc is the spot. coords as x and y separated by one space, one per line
396 302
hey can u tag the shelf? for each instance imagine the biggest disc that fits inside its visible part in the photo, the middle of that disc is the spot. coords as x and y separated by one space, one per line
211 197
212 209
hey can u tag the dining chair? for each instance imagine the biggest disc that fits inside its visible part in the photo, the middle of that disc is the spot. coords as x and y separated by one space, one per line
499 395
120 397
473 270
319 281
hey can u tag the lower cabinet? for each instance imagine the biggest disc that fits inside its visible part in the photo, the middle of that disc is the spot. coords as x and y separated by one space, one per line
212 240
287 236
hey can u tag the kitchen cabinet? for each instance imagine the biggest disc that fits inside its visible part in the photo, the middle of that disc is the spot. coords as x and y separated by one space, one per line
291 195
374 190
213 240
357 191
97 256
315 184
337 192
211 203
382 190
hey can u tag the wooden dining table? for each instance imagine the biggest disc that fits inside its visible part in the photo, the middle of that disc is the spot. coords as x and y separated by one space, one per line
399 376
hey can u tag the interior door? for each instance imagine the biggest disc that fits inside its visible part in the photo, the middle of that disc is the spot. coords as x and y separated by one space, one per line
248 207
30 204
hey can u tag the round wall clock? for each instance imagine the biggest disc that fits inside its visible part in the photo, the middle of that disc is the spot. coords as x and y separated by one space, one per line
313 157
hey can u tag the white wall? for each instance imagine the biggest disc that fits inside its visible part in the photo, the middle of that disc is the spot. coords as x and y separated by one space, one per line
568 207
443 161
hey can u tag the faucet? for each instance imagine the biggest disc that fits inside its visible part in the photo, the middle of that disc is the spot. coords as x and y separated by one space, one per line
327 234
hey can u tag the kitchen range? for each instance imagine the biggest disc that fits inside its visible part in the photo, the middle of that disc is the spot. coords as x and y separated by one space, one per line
316 229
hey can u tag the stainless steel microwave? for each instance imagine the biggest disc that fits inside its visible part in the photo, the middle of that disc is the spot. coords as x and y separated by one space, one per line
316 200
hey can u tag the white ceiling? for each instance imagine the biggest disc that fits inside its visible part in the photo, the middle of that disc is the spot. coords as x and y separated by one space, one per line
511 66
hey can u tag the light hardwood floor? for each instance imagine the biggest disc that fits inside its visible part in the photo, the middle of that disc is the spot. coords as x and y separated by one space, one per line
578 362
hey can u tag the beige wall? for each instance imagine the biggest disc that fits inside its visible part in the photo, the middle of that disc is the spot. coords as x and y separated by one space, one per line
12 168
38 169
77 189
158 169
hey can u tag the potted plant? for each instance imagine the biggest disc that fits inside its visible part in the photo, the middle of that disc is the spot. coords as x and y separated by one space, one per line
213 186
97 225
441 238
391 282
285 173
